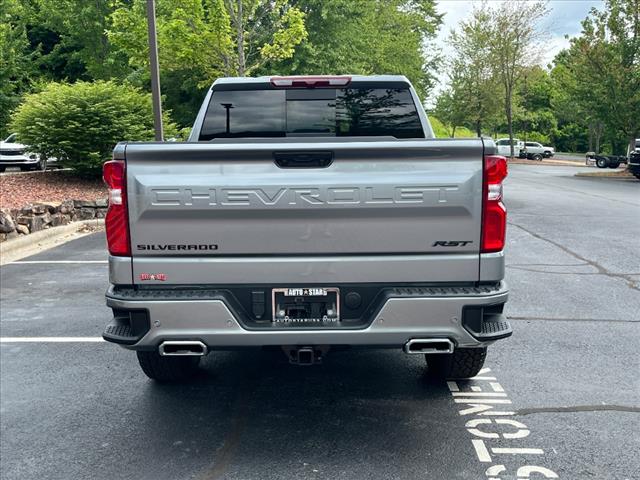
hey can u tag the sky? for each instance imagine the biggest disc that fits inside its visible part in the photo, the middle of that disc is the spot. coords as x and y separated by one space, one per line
563 19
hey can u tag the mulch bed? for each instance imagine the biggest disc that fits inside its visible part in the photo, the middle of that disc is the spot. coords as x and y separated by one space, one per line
20 189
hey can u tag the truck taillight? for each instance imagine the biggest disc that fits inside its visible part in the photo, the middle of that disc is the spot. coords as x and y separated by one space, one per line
494 213
117 221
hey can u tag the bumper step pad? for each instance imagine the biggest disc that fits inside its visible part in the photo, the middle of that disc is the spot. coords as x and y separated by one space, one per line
120 332
127 328
494 330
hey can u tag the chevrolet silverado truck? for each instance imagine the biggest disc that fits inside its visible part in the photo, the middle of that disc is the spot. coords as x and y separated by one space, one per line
307 213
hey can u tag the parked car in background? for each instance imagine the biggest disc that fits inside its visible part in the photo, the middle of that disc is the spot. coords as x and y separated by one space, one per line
537 151
504 147
15 154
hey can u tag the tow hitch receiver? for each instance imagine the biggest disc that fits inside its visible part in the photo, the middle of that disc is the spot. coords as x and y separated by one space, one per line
311 355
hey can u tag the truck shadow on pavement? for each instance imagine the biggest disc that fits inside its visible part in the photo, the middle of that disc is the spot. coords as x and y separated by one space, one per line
251 411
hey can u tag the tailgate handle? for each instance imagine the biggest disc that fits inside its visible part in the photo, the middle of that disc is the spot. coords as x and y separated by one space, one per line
303 159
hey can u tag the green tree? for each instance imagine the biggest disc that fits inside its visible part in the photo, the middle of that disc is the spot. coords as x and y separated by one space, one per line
67 38
201 40
535 119
80 123
600 71
366 37
210 38
79 26
514 35
450 109
573 118
471 72
16 61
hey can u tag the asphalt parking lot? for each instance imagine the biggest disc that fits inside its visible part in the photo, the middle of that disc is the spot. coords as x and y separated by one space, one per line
562 395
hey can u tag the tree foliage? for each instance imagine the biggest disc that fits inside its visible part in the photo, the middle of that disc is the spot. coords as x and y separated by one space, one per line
15 61
367 37
514 36
492 51
533 115
588 100
200 40
73 32
599 74
80 123
210 38
474 83
450 110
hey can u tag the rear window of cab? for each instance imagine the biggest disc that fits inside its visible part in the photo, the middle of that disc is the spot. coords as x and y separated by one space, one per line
331 112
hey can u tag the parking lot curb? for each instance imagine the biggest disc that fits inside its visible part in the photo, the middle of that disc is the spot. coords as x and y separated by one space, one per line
611 174
12 250
546 163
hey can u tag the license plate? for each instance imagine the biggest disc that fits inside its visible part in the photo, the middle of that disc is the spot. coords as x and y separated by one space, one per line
306 305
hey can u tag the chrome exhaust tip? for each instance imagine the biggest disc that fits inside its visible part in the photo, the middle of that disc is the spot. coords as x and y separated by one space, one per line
428 345
182 348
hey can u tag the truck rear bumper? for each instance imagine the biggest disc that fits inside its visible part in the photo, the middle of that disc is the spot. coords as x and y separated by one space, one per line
468 316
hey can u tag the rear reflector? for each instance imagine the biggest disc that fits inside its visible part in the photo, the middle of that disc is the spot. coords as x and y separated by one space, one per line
117 221
494 213
310 82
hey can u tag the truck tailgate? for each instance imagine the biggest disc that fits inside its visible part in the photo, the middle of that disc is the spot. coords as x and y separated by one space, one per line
193 202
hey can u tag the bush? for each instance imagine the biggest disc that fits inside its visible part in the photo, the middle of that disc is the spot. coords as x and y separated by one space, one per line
80 123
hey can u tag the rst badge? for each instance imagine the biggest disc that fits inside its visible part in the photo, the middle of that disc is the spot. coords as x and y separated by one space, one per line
463 243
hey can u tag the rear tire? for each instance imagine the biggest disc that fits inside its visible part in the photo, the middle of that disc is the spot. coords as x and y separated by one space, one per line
167 369
462 363
614 165
601 162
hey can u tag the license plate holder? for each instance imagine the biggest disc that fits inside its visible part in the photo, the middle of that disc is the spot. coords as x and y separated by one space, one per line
302 305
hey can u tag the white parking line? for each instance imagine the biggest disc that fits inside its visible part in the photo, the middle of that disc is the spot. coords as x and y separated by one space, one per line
481 400
38 262
51 339
478 394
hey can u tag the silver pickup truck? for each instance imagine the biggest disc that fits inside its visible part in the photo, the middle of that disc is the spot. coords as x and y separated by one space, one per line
307 213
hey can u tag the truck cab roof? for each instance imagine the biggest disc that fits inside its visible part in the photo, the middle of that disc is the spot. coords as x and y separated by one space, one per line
353 78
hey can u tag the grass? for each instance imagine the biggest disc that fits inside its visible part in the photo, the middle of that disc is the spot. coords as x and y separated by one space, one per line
441 131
